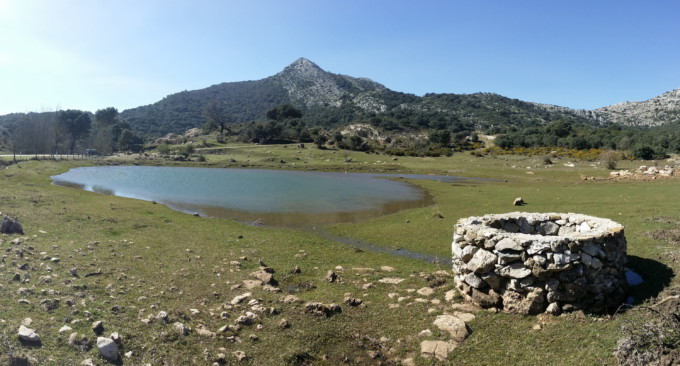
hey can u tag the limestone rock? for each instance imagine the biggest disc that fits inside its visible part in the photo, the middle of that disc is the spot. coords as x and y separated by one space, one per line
107 348
486 299
28 335
507 243
454 325
331 276
516 270
238 299
265 274
438 349
482 261
181 328
98 327
391 280
318 308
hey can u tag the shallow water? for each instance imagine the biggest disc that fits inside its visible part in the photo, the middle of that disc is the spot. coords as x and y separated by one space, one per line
269 197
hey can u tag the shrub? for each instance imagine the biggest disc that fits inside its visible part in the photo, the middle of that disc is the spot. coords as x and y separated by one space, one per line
163 149
610 158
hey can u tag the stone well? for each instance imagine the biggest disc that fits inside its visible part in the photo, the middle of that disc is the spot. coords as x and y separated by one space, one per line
529 263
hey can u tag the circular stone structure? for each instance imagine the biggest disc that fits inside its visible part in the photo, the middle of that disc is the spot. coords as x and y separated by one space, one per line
529 263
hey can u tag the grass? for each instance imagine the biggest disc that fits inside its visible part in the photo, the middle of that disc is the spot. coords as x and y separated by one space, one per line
150 258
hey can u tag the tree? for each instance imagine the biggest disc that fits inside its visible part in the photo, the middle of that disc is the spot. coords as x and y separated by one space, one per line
34 134
77 123
559 128
215 115
283 112
440 137
644 152
127 141
106 117
320 141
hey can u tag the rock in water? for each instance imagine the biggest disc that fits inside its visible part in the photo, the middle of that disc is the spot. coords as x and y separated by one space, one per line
107 348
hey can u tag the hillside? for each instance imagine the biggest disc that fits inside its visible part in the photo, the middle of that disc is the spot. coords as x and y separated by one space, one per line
329 100
302 84
660 110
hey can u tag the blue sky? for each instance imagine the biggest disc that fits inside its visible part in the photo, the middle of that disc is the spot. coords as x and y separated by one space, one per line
92 54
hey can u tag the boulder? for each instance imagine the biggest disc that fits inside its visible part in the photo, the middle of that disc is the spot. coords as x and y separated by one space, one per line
28 335
107 348
455 326
437 349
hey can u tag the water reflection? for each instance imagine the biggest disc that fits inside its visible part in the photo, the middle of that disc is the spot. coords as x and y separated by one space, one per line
267 197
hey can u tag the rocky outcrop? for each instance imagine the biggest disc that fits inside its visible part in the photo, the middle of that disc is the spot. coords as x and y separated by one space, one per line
529 262
653 112
308 84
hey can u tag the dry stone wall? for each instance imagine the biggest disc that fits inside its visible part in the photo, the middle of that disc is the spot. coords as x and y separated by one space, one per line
529 263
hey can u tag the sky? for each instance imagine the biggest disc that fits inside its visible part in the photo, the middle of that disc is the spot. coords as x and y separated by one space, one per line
94 54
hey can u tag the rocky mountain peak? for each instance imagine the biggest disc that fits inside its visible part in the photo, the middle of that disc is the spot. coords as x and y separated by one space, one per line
308 84
302 68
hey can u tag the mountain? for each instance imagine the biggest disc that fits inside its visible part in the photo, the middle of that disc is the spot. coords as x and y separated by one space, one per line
332 100
302 83
660 110
327 99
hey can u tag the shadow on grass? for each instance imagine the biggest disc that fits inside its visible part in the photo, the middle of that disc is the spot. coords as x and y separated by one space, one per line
655 275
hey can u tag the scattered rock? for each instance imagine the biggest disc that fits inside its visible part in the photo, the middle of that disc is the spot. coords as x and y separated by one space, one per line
238 299
454 325
203 331
240 355
425 291
331 276
163 317
107 348
265 274
181 328
28 335
98 327
318 308
391 280
438 349
351 301
290 299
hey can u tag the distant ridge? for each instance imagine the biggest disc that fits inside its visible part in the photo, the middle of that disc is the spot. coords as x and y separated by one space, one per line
329 99
653 112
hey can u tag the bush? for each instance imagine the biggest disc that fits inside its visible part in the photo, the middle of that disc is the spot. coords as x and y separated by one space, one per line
610 158
163 149
186 150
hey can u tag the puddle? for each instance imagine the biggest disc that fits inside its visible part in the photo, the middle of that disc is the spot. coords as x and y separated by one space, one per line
359 244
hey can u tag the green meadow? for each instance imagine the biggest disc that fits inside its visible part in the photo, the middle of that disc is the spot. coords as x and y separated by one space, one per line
135 259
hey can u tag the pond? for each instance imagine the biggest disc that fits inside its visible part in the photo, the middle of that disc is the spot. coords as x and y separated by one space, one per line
269 197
